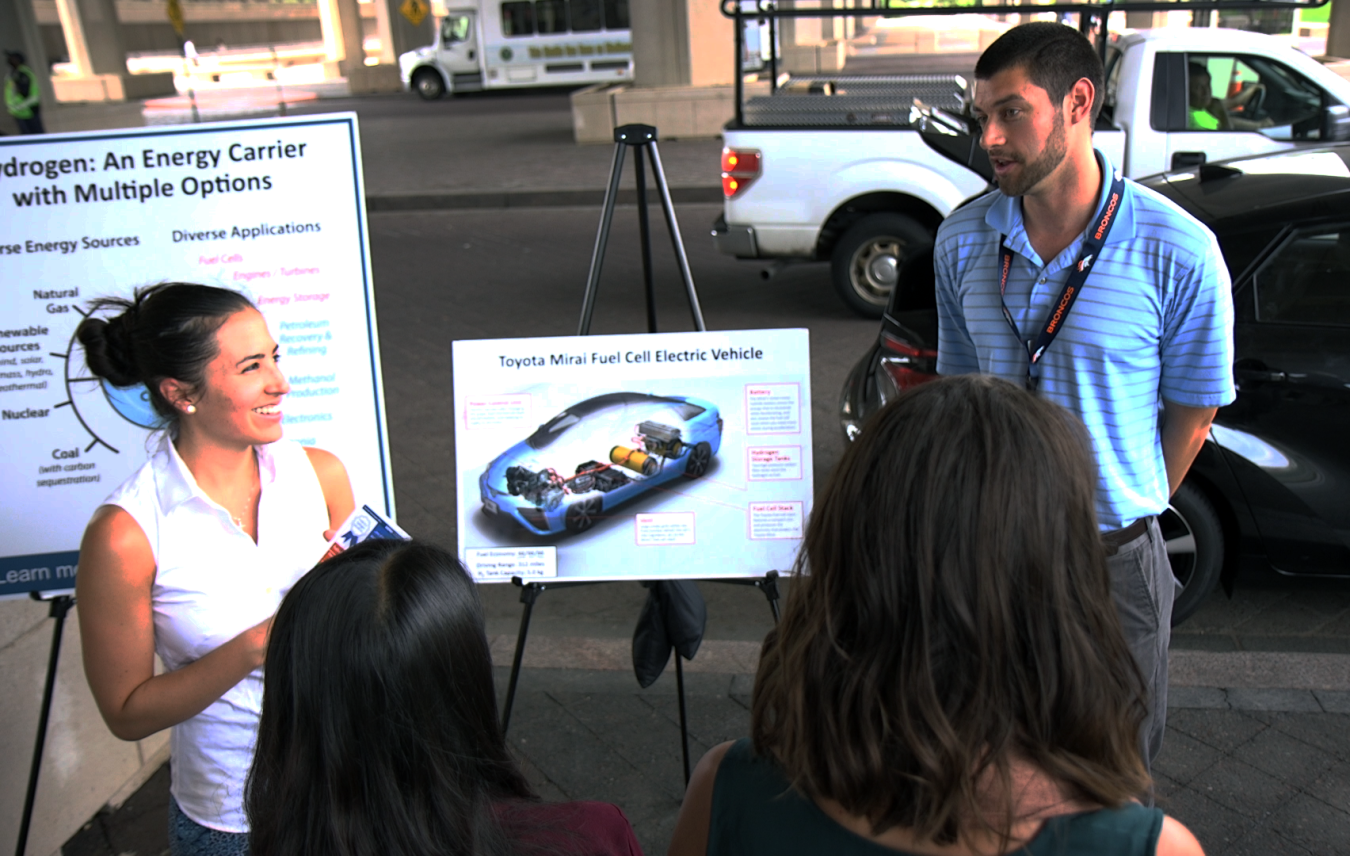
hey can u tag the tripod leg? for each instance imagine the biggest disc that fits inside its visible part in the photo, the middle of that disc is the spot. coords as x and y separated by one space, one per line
601 241
738 22
773 53
645 236
684 720
769 585
669 208
529 593
60 606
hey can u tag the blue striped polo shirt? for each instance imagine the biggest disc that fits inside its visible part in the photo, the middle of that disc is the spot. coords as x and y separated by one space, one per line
1153 321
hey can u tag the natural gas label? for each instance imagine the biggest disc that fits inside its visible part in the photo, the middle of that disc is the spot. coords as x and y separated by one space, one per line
676 455
271 208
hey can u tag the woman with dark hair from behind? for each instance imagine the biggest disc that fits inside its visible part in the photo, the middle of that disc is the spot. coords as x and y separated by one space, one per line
379 733
950 676
190 556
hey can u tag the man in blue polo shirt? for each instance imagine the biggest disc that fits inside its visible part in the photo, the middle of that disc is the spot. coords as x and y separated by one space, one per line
1099 295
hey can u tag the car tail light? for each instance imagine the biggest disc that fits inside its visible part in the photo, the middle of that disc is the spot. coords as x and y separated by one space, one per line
895 345
905 364
740 168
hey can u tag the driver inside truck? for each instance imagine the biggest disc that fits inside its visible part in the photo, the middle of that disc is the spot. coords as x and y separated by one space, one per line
1207 113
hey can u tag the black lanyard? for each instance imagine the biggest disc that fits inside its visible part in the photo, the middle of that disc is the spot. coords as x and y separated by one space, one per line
1092 247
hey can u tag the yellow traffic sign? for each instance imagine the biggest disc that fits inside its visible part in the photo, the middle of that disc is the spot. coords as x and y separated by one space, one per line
175 11
415 11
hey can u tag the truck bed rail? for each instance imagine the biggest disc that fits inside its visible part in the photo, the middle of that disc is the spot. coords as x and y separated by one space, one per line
822 100
1088 15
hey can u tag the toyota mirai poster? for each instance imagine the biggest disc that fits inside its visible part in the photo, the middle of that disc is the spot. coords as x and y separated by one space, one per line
632 457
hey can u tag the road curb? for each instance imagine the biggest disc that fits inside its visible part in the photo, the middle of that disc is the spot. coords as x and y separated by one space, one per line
468 200
1256 670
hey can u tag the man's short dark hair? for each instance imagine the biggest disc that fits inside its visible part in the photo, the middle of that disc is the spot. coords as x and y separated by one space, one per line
1054 56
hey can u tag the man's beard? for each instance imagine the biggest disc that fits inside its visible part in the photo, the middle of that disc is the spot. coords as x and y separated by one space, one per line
1032 173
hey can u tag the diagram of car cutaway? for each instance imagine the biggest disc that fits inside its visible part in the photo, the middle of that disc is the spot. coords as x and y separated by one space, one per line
597 454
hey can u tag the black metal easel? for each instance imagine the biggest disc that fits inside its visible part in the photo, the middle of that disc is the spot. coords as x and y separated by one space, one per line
60 606
529 593
643 139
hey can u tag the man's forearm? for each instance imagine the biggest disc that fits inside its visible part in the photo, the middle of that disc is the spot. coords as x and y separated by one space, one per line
1184 430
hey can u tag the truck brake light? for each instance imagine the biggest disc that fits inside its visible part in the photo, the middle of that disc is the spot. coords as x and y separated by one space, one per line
740 168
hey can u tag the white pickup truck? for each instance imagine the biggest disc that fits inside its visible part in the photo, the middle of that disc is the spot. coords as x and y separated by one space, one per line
861 170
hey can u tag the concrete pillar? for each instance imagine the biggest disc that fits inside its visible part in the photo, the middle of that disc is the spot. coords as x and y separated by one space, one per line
93 36
340 21
683 75
809 45
397 33
1338 30
20 28
99 54
681 43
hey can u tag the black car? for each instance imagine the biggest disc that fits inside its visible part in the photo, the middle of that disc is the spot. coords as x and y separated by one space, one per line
1273 480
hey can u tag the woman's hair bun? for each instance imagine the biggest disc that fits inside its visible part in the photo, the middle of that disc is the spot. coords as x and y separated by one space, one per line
108 348
167 330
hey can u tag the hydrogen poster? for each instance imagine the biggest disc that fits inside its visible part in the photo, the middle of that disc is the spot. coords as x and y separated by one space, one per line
632 457
272 208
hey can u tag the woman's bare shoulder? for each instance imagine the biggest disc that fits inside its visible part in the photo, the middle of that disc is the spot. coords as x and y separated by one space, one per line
324 461
116 559
1176 840
112 530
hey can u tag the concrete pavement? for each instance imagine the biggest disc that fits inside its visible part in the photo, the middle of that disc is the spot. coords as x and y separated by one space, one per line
1245 778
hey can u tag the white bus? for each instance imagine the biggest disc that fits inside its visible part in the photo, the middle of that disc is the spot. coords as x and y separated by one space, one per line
515 43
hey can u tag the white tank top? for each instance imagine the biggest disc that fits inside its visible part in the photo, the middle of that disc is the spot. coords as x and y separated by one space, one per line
212 582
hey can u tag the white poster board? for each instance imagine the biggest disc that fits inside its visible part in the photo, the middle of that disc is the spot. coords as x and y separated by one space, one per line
654 456
272 208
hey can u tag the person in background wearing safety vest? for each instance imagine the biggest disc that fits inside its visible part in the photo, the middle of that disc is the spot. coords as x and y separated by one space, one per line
1208 113
22 96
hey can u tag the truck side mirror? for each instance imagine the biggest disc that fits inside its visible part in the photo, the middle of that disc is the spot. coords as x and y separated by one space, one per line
1336 123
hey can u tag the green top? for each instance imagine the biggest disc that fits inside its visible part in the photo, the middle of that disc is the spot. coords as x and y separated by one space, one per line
21 92
755 812
1203 120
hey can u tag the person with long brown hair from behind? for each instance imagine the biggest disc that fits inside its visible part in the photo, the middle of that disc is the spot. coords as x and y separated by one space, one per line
191 555
950 677
379 732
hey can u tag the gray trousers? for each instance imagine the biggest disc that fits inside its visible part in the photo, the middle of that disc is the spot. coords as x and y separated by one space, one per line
1143 589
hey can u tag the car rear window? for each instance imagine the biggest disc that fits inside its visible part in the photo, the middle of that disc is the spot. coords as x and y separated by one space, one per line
1307 281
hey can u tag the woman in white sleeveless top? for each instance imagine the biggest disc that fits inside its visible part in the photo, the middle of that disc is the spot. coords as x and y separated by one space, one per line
190 557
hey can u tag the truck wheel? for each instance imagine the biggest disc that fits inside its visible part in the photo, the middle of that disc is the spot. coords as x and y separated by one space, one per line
1194 539
866 262
428 84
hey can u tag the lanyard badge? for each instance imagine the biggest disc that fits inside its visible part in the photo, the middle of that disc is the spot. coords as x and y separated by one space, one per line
1054 322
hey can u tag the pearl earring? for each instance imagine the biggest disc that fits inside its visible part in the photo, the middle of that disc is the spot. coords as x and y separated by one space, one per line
191 408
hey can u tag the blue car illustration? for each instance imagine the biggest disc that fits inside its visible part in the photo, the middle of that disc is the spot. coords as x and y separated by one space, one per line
597 454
